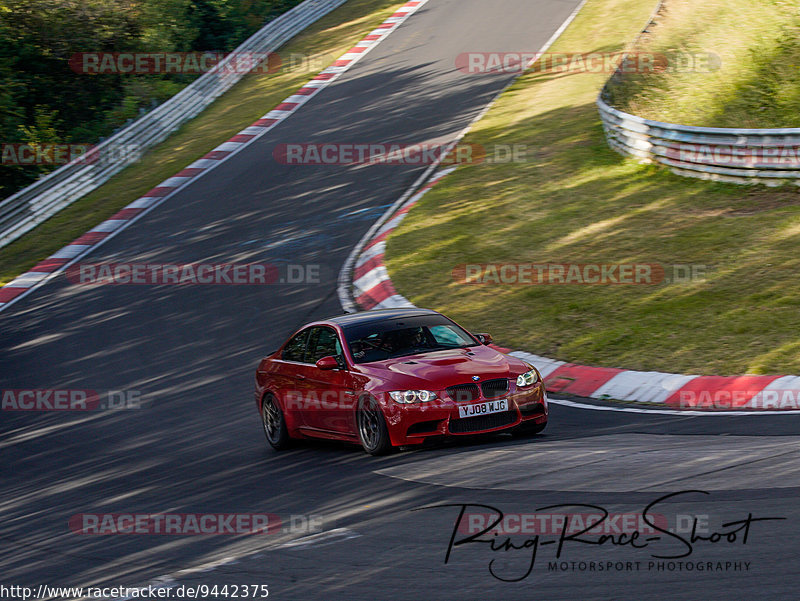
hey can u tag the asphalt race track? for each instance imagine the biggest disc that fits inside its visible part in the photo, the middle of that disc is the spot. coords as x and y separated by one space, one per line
196 444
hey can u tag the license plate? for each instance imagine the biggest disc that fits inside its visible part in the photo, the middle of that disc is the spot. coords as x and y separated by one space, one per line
483 408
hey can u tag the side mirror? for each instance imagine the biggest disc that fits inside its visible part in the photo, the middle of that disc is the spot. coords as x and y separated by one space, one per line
327 363
484 338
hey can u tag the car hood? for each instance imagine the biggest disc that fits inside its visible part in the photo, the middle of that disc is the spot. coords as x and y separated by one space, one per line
440 369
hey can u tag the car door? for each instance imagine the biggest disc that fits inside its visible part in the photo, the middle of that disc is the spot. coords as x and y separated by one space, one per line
330 401
291 376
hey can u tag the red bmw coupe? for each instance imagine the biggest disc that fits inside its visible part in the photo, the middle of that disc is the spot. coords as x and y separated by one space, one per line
394 377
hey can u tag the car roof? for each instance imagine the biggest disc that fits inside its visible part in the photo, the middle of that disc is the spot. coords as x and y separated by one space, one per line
376 315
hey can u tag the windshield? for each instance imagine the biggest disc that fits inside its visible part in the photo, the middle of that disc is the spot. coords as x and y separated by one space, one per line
405 336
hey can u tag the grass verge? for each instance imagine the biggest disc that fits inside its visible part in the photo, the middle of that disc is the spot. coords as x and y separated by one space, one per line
576 201
251 98
755 58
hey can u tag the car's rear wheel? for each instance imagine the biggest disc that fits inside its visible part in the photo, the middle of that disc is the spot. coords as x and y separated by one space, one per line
372 430
274 423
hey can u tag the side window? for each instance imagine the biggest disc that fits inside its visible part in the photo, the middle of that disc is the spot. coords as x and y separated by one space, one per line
313 336
325 343
296 347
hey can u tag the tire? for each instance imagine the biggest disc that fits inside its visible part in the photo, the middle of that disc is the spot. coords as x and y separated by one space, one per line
274 424
372 430
524 430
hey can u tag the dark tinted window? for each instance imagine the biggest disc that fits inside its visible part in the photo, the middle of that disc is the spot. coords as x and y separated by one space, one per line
323 343
390 338
296 347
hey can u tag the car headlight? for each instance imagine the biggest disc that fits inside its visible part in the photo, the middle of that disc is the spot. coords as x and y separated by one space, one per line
412 396
529 378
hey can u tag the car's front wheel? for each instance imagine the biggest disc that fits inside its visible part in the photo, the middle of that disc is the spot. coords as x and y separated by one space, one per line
274 423
372 430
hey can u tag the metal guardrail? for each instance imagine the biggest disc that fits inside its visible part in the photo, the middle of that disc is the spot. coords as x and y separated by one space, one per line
44 198
743 156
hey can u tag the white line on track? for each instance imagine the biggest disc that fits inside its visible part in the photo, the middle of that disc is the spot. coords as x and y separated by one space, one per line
681 412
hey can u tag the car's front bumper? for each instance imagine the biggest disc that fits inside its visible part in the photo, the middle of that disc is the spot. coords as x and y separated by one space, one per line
414 423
